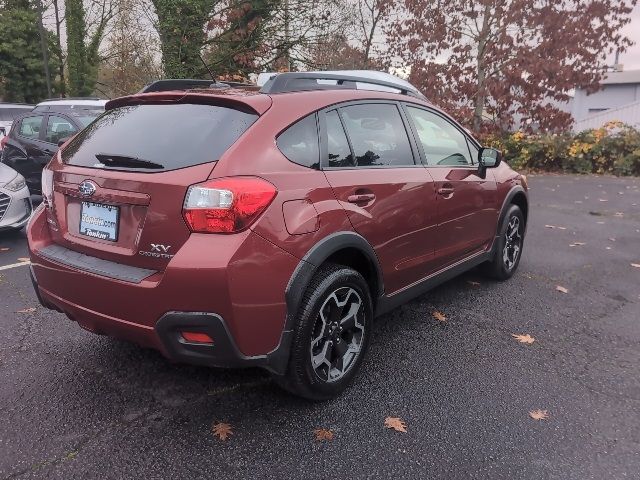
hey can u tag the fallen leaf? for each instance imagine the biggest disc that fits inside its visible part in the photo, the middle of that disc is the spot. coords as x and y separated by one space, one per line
473 284
603 200
608 248
27 310
439 316
221 430
24 259
555 227
612 239
528 339
539 414
635 265
577 244
618 214
323 434
562 289
395 424
4 249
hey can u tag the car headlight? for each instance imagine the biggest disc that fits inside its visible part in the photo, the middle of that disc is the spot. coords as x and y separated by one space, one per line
16 184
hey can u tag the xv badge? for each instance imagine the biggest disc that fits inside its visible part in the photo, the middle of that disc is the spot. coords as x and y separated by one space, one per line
158 247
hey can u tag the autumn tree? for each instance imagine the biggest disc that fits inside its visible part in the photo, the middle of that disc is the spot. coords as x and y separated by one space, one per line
369 16
235 42
299 27
128 58
495 59
336 52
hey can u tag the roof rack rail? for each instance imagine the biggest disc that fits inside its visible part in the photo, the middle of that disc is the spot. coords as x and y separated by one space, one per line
169 84
305 81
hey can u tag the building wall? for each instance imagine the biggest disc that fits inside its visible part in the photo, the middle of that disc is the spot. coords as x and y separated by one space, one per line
611 96
629 114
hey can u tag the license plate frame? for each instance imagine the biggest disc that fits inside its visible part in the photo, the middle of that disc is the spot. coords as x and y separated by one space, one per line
91 226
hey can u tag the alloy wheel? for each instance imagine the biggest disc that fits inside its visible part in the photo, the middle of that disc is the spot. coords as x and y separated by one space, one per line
512 244
338 333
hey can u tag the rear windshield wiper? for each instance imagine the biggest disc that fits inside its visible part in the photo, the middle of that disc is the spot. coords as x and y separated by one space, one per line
123 161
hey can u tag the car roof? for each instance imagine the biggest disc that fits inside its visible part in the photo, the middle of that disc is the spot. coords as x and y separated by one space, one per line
260 102
15 105
67 104
73 101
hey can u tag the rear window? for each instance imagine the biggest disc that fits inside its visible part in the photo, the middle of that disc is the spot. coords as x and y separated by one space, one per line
160 137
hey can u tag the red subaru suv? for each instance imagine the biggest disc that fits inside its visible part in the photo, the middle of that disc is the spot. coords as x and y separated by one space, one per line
232 227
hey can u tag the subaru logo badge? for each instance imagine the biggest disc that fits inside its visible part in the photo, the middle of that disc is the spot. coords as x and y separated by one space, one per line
87 188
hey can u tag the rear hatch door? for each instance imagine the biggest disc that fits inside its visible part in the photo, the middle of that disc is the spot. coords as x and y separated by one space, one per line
120 184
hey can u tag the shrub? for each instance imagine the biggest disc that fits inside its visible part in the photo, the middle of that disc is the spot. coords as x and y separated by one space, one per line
613 148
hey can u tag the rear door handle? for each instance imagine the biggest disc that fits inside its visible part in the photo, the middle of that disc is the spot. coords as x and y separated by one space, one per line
361 198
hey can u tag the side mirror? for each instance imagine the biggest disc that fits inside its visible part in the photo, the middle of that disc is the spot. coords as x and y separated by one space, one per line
488 158
62 141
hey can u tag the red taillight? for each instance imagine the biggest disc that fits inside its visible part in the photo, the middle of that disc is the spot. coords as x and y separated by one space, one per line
226 205
47 186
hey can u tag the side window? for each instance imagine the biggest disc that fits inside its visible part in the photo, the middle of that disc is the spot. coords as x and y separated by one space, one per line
338 149
57 129
30 127
377 135
442 142
299 143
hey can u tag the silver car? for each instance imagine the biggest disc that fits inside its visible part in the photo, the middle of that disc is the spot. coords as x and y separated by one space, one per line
15 200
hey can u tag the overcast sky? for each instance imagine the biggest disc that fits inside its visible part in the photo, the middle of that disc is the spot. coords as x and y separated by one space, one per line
631 58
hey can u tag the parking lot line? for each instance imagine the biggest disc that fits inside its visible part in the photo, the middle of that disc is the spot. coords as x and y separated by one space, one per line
14 265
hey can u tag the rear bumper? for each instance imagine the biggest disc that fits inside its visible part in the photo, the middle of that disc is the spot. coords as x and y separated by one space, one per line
167 338
215 289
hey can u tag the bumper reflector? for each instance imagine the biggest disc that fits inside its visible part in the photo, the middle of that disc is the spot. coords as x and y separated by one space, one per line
197 337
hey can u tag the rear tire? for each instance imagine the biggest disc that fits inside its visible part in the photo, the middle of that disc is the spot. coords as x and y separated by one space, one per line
508 246
331 334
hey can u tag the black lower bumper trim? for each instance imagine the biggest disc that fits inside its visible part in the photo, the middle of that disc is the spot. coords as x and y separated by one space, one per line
37 290
224 352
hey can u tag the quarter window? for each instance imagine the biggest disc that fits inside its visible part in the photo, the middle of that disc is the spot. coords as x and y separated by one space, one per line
377 135
30 127
442 142
299 143
57 129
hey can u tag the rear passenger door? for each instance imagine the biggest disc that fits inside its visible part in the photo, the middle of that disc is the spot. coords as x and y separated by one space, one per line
370 162
466 203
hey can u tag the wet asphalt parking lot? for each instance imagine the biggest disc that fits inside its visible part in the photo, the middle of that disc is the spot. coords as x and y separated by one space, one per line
74 405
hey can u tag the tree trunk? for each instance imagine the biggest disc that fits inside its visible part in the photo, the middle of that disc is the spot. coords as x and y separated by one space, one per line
45 50
481 72
63 86
76 54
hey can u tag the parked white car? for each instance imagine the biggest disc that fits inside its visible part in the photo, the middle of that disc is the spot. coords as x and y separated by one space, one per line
61 104
15 200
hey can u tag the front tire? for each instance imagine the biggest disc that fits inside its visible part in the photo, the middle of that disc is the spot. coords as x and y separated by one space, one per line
508 246
331 334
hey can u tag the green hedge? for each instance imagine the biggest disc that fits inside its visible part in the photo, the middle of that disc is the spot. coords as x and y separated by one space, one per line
613 148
